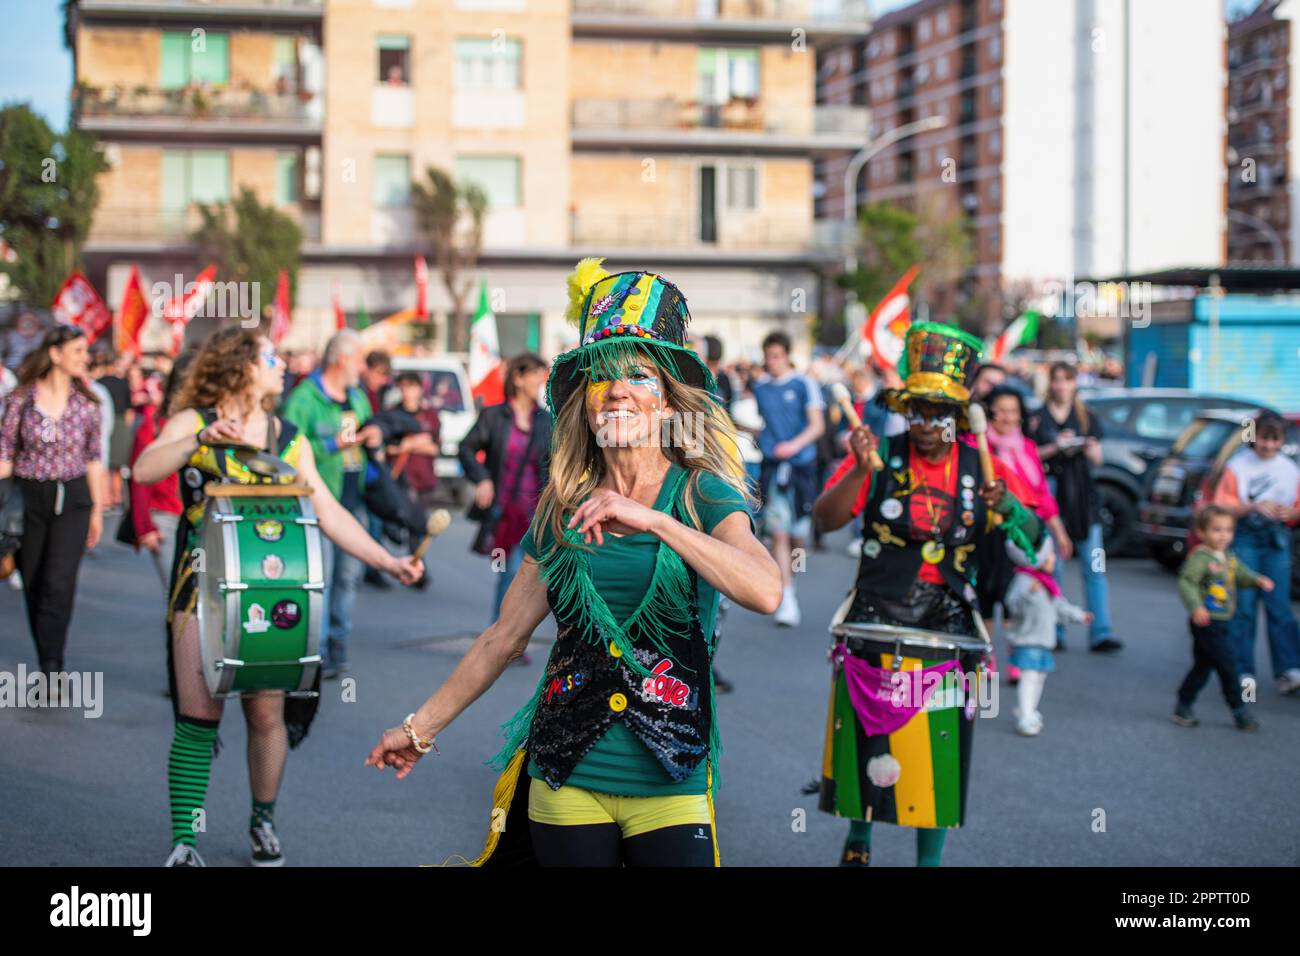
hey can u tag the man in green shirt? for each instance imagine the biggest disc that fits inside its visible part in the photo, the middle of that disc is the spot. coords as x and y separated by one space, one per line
330 408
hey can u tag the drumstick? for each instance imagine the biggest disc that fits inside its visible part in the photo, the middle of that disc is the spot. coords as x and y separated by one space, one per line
841 395
979 427
439 521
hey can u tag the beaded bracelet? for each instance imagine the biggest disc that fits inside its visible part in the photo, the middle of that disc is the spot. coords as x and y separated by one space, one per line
418 744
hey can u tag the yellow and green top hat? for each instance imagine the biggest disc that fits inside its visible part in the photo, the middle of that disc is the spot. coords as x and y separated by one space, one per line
937 365
619 317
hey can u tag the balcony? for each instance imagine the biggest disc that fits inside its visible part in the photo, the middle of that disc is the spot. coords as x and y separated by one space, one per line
736 235
151 225
199 113
740 125
758 21
249 11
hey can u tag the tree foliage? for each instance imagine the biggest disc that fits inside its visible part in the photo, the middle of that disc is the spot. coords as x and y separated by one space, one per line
249 242
450 215
48 195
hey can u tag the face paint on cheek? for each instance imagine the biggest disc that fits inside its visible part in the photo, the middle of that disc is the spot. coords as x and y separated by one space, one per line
649 382
596 392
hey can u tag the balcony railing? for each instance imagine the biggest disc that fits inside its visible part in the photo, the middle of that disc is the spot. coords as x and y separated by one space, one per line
137 222
305 6
739 115
802 11
749 232
199 104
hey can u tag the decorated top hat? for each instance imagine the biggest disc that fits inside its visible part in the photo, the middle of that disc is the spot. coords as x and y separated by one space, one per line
937 366
621 317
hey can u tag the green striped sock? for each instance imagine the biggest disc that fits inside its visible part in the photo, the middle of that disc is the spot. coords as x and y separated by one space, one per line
187 776
262 813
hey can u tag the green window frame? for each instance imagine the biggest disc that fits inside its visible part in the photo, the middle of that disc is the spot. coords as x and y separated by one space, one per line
182 64
391 180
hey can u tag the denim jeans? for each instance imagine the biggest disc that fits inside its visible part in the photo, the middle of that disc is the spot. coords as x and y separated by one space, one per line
513 560
1096 590
1266 550
342 579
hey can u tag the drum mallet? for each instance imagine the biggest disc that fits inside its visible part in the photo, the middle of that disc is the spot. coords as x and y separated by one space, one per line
439 521
979 427
841 395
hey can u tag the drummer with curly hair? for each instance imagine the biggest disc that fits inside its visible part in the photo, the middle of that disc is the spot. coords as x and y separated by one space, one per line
224 401
889 755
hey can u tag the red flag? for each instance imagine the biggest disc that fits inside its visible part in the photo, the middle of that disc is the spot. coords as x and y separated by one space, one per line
186 305
886 327
340 320
281 315
79 304
131 315
421 288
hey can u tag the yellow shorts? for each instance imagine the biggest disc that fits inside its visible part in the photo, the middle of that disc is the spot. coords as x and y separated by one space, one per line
573 806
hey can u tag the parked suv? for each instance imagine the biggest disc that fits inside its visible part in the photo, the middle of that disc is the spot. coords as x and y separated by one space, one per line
1189 476
1139 427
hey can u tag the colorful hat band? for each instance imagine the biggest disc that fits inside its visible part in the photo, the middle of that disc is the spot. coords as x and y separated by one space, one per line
936 382
639 331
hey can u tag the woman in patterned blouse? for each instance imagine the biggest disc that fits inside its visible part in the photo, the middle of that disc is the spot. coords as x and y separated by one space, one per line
49 442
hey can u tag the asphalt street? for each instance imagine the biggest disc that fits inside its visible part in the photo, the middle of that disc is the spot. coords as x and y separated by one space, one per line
1110 782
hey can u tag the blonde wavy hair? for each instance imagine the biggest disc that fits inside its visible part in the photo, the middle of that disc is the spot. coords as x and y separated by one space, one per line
703 442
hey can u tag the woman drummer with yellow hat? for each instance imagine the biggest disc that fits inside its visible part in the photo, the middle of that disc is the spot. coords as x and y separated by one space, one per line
923 513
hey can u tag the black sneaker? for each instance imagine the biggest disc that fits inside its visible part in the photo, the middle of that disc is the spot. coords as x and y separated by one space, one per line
1183 716
856 854
1107 645
1244 721
812 786
184 855
1061 645
266 848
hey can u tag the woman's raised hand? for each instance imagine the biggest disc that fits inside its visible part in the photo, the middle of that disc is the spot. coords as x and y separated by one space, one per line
607 510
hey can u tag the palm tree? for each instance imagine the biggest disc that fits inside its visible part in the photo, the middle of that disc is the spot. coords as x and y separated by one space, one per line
450 215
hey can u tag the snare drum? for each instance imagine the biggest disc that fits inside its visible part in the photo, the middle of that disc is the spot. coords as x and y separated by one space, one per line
261 590
900 724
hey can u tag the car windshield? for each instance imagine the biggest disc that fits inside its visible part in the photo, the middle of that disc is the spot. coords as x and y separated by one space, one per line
1163 420
442 390
1204 438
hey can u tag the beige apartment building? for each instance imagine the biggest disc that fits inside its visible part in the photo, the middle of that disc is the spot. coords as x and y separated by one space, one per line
677 135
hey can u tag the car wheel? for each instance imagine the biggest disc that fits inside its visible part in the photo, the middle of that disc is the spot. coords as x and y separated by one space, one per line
1168 556
1118 519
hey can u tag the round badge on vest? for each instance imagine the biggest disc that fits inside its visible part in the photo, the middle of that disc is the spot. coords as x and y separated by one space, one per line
871 549
967 481
891 508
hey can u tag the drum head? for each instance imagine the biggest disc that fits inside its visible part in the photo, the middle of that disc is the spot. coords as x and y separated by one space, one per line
920 642
265 465
218 608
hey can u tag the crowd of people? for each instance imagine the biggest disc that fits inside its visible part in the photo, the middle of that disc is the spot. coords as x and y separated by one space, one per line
635 543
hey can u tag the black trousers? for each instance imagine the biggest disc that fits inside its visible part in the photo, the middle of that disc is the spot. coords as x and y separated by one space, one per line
1211 652
54 539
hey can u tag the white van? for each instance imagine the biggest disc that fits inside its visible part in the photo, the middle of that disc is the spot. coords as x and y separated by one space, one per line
447 388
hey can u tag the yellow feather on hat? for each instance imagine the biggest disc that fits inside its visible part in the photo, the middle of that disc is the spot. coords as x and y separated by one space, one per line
585 275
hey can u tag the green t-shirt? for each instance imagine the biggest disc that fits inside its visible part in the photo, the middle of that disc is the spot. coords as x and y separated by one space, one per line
622 568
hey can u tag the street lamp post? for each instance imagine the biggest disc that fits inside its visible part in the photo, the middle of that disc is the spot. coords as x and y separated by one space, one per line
860 159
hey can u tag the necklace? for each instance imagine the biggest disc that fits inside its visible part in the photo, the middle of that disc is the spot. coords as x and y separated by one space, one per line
932 551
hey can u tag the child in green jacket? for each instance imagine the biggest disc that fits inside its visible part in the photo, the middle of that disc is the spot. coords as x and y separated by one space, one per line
1207 584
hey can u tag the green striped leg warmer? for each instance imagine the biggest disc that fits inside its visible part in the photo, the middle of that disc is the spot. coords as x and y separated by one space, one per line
187 774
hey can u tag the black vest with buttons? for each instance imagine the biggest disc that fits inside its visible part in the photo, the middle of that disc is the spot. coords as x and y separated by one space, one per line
891 550
588 686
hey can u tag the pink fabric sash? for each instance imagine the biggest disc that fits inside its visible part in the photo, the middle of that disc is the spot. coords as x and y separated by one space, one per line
883 699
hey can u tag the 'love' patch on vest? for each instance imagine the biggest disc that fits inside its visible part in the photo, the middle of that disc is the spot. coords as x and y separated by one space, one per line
668 689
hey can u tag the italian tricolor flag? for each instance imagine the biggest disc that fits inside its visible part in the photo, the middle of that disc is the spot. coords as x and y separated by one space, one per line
485 353
1022 331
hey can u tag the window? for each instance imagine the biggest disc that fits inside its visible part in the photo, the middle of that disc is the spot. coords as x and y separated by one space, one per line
941 22
924 29
873 49
498 176
187 59
195 176
487 65
286 178
394 60
284 64
995 142
742 187
1164 420
995 95
941 67
923 73
727 73
995 48
391 181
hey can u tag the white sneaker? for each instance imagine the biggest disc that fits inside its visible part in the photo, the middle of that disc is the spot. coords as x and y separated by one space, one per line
1028 726
184 855
854 549
16 581
1289 682
787 615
